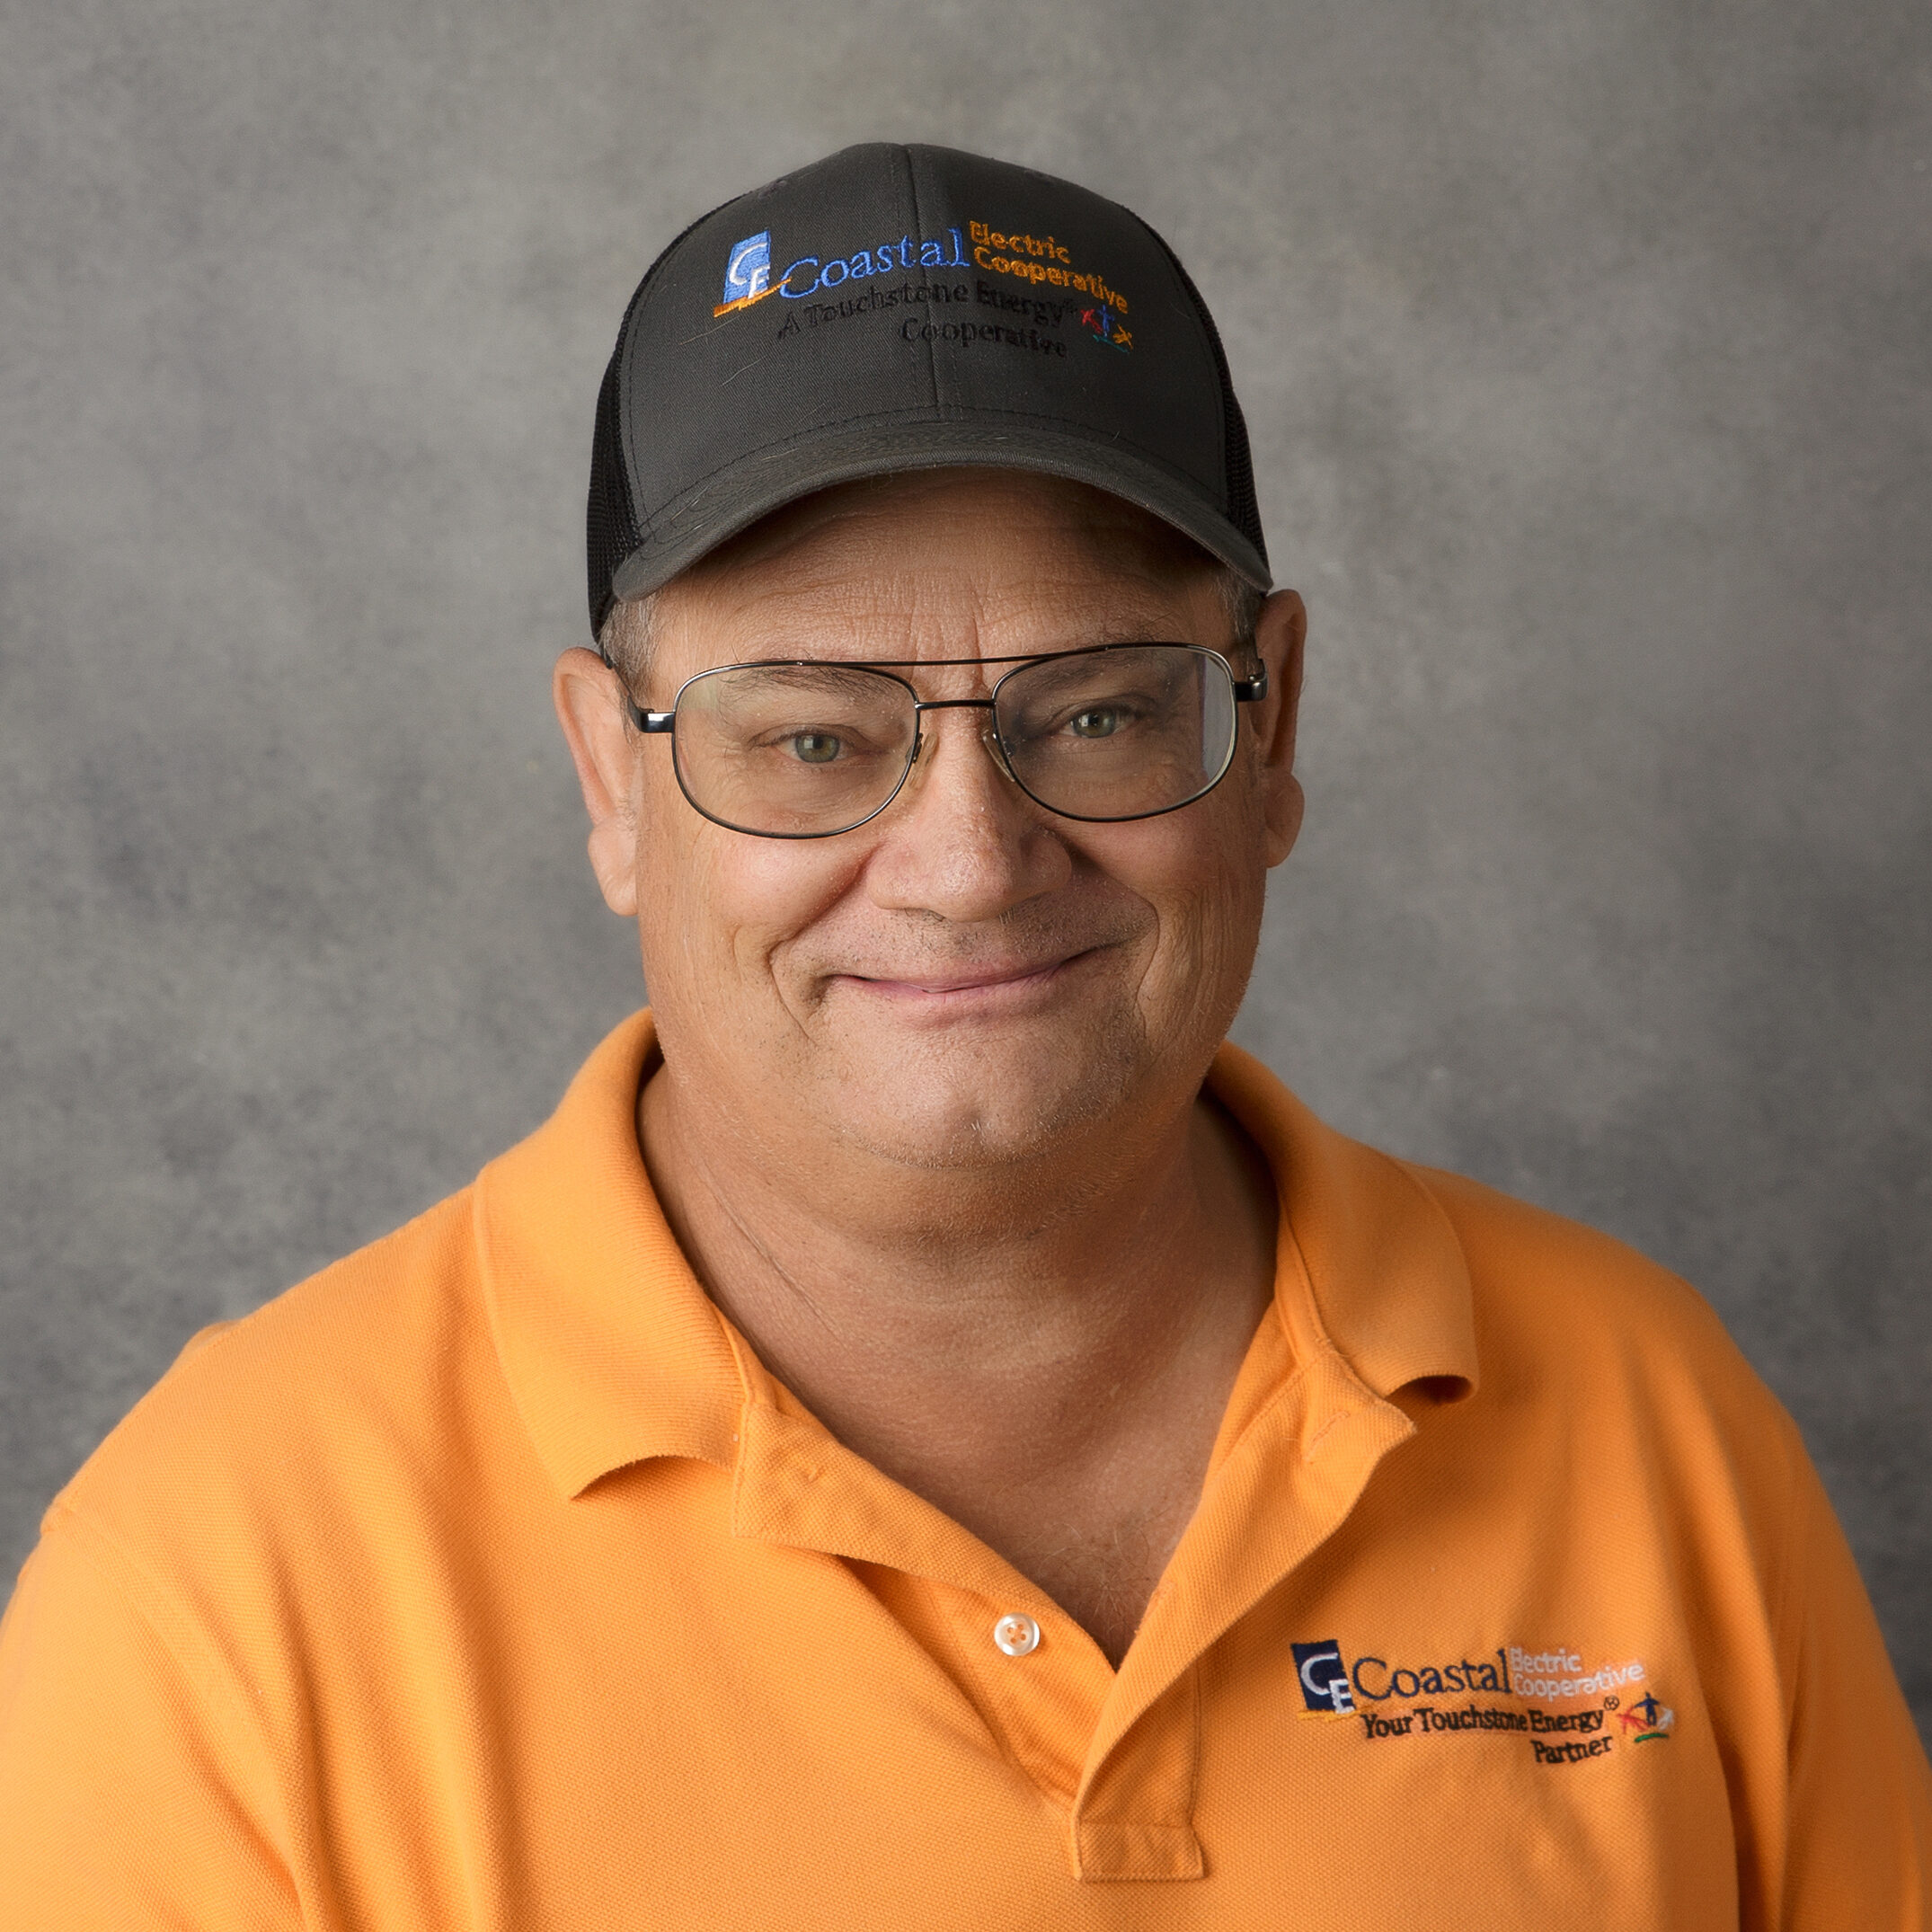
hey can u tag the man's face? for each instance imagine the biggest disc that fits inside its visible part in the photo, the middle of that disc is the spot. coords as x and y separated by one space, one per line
967 978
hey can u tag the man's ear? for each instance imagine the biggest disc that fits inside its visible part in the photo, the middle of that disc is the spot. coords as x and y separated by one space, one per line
1280 632
589 702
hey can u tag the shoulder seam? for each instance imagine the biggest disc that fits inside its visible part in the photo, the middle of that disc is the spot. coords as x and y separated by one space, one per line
131 1582
226 1335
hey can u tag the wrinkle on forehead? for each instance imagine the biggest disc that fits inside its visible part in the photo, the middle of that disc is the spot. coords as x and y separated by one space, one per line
942 563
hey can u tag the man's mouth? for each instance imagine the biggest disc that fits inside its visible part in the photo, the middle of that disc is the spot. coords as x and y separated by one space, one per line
982 983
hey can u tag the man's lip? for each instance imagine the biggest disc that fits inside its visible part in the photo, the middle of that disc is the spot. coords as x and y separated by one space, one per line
977 979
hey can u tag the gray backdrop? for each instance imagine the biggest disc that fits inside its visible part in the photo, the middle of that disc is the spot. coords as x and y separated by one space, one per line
1585 345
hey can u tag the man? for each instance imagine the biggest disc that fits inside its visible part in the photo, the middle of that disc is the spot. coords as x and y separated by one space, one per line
927 1435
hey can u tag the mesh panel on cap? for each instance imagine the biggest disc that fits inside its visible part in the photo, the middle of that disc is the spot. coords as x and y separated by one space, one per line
1243 509
610 520
610 523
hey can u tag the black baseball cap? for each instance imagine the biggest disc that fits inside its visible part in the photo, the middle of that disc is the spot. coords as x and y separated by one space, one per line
894 308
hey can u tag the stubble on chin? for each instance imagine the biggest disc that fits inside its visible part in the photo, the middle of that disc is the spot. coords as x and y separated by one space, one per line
960 1102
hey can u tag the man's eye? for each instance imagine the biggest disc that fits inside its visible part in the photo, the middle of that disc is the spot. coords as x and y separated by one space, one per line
815 747
1096 722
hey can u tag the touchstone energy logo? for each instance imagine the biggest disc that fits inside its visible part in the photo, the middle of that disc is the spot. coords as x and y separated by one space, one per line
1651 1721
1103 325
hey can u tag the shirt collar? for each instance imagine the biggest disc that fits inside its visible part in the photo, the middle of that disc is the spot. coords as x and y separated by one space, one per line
614 1353
1367 1262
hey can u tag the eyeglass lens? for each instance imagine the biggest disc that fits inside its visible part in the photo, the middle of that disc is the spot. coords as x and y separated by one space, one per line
805 750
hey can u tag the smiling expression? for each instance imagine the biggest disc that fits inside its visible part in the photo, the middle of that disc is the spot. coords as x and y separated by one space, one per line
966 978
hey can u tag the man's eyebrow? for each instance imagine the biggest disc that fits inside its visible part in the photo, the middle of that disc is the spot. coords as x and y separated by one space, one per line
859 673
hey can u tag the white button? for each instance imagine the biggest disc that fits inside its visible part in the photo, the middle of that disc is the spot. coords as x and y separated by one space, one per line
1017 1636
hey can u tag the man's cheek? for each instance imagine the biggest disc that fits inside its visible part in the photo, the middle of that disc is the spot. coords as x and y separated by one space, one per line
779 889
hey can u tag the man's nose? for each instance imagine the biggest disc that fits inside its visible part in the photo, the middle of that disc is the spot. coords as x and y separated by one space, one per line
962 839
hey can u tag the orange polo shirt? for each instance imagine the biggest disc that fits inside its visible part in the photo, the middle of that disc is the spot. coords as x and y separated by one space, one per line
487 1581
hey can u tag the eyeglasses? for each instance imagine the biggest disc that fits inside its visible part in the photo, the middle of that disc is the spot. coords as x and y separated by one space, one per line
807 748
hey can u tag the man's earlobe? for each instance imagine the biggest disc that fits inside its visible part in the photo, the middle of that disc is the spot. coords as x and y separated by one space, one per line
589 703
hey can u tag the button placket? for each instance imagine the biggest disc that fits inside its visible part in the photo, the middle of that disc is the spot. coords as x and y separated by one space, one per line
1039 1704
1037 1680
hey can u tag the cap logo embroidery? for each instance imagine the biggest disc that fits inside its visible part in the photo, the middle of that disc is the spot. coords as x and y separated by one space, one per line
1037 259
1105 326
748 273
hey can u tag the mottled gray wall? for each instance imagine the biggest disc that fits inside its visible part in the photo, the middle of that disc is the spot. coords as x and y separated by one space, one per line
1586 350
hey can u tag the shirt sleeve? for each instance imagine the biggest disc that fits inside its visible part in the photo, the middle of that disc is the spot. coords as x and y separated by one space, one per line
1858 1845
130 1797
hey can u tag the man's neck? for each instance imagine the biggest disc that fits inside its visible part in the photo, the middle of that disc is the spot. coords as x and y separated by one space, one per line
1044 1354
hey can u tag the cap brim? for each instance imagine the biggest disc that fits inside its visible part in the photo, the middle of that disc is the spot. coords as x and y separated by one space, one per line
767 480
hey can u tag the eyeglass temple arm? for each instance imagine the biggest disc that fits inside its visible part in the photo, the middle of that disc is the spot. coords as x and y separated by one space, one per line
649 721
645 721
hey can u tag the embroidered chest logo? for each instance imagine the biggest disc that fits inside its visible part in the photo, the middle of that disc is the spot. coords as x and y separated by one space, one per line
1566 1712
1325 1679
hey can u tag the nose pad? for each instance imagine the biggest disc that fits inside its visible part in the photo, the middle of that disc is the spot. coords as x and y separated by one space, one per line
922 746
997 751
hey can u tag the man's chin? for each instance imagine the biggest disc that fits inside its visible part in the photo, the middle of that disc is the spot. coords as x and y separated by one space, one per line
983 1104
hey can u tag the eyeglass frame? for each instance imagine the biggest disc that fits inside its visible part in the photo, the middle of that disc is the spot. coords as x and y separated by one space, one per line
1246 691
